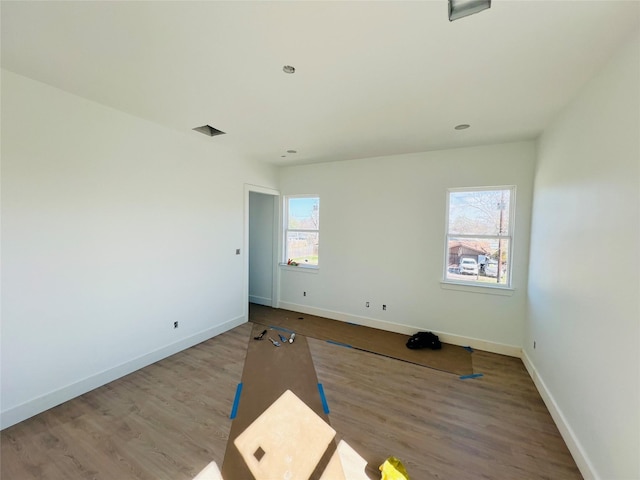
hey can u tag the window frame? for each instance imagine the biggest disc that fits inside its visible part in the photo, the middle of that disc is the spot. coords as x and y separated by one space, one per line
509 235
286 230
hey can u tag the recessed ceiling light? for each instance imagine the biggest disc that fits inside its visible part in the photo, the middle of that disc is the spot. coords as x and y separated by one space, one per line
292 151
288 69
462 126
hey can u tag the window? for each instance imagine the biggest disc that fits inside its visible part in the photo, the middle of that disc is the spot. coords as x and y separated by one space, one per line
479 236
301 230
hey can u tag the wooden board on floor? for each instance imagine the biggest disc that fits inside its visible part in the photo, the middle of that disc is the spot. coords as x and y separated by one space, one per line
451 358
171 419
280 427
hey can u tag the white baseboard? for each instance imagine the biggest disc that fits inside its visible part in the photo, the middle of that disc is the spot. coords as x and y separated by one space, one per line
574 446
260 300
38 405
452 339
582 461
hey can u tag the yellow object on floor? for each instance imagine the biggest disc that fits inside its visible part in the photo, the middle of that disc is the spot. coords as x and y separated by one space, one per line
392 469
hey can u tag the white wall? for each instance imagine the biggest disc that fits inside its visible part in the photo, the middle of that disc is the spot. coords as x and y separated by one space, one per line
112 229
262 218
382 240
584 283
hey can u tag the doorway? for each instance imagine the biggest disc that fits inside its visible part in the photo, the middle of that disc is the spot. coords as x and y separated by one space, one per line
261 245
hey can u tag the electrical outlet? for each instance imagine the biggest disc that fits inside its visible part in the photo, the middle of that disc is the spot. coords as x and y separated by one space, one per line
534 344
304 294
175 324
384 307
237 251
367 304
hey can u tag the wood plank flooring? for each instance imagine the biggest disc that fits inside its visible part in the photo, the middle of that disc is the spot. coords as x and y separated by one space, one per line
450 358
442 427
169 420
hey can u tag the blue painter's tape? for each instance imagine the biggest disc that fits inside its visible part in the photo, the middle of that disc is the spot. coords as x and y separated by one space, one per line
282 329
325 405
339 343
236 401
473 375
468 349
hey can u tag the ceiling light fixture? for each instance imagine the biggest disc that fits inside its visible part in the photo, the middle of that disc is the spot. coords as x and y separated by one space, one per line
288 69
464 8
462 126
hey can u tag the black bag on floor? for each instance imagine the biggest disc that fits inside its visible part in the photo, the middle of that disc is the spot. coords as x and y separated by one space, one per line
424 340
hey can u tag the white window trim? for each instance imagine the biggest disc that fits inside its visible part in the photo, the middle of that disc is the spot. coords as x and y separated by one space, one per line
300 268
479 287
285 223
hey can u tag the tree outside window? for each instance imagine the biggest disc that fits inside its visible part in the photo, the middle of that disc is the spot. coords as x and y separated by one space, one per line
302 230
479 236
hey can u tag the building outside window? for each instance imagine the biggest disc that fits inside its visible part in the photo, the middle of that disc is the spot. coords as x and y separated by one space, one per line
479 237
301 230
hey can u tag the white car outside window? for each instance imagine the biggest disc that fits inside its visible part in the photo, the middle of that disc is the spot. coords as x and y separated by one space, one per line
468 266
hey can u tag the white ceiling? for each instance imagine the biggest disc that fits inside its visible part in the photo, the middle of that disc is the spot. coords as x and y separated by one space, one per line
372 78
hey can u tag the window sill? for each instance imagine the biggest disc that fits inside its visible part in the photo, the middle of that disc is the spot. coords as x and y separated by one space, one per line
486 289
300 268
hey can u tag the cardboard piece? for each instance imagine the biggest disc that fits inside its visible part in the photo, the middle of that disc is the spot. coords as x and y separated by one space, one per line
451 358
280 424
286 441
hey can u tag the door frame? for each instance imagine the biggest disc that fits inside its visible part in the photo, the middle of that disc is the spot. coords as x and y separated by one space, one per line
275 284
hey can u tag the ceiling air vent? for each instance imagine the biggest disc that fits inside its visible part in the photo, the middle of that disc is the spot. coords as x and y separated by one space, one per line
209 130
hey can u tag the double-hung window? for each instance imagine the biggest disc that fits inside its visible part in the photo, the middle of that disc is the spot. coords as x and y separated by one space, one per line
301 229
479 238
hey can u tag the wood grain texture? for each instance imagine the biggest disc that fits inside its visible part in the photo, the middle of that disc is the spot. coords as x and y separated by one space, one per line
450 358
169 420
440 426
